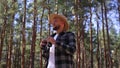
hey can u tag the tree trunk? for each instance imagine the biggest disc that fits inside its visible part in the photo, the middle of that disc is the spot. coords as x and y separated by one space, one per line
32 53
64 11
82 45
98 56
103 30
81 26
56 6
23 37
78 59
108 39
48 16
2 36
91 45
78 43
10 43
41 23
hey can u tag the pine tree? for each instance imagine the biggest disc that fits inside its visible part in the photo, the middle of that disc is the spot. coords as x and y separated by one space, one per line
23 37
32 53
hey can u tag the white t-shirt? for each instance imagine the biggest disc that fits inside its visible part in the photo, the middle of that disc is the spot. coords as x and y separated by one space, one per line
51 61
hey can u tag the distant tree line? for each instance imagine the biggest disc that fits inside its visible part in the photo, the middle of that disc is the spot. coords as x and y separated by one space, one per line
24 23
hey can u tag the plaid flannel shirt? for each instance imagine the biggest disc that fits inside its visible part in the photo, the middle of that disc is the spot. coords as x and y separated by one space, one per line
64 50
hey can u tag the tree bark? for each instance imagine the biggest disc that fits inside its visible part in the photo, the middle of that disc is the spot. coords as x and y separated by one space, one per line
82 46
98 56
41 23
10 43
103 30
91 45
78 59
56 6
49 31
110 65
2 36
32 53
23 37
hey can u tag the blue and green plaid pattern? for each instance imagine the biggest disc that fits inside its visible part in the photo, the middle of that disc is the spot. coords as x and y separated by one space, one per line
64 50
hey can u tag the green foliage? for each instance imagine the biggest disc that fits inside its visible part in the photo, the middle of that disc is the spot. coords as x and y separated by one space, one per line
66 7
